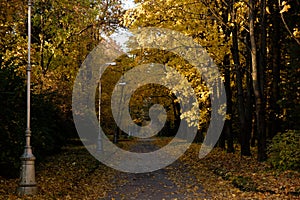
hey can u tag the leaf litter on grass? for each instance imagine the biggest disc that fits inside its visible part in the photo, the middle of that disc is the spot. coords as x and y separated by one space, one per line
72 174
75 174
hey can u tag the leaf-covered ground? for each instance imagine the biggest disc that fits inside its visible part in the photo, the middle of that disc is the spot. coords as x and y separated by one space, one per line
75 174
230 176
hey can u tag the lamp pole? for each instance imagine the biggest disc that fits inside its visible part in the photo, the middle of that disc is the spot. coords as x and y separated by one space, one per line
116 134
27 184
99 139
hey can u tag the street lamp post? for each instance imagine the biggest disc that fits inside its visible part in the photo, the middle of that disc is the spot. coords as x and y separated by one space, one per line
27 184
116 134
99 139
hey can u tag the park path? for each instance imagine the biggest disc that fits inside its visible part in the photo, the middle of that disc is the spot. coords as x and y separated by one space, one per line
156 185
75 174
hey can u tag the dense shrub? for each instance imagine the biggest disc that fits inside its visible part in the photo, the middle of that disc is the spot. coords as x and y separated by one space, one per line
49 128
284 151
48 134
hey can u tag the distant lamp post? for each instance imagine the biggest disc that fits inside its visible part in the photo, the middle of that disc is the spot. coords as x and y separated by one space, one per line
99 139
27 184
116 134
99 147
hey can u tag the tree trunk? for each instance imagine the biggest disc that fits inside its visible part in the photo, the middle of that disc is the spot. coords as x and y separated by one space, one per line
248 110
228 122
227 135
254 130
263 47
261 155
245 149
273 125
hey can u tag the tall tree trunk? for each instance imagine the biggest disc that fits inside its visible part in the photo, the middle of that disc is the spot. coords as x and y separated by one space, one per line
263 47
261 155
273 125
221 142
248 106
227 134
254 130
245 149
228 122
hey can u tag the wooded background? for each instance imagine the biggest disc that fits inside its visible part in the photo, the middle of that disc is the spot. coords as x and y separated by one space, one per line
255 44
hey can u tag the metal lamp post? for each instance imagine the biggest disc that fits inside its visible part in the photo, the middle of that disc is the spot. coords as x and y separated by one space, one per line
99 147
116 134
27 184
99 139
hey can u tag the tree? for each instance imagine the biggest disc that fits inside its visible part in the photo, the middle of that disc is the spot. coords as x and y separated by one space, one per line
63 34
257 87
193 19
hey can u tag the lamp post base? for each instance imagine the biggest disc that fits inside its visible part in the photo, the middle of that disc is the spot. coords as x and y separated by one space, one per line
27 185
27 190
